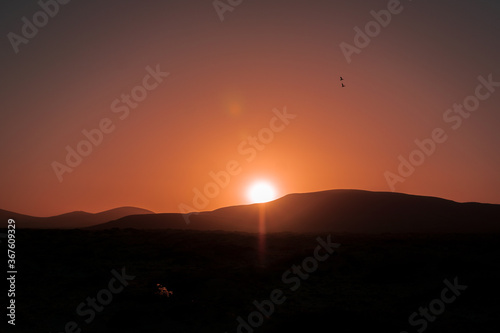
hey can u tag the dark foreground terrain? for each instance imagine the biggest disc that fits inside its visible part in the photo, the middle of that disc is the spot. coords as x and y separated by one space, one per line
371 283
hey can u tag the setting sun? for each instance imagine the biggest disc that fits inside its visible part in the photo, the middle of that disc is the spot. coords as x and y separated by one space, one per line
261 191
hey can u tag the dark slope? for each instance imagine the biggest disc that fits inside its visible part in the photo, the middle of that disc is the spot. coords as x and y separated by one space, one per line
71 220
335 210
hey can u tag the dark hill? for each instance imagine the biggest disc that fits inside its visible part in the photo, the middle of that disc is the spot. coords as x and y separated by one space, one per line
71 220
335 210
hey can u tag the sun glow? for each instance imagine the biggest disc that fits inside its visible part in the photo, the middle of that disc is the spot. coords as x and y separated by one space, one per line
261 191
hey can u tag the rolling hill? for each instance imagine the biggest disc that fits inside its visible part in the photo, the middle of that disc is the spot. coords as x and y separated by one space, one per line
335 210
354 211
71 220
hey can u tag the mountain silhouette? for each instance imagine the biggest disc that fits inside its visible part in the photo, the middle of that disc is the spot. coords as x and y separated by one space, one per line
77 219
355 211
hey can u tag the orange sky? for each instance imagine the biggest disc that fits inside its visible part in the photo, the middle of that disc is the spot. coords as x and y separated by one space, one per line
225 79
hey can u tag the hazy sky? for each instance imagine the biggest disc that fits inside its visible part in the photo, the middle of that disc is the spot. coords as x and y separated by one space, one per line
225 79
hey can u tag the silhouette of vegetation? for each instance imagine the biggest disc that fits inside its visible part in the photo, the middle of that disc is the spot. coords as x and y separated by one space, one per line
371 284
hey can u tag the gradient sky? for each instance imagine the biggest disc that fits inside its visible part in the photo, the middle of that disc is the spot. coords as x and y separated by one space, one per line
226 77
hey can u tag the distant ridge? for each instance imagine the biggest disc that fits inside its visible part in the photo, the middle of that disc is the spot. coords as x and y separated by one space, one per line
77 219
355 211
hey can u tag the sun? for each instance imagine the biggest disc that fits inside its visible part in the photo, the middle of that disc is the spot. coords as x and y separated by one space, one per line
261 191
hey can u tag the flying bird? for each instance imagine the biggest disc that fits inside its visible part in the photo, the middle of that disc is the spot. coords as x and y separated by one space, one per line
343 85
341 78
